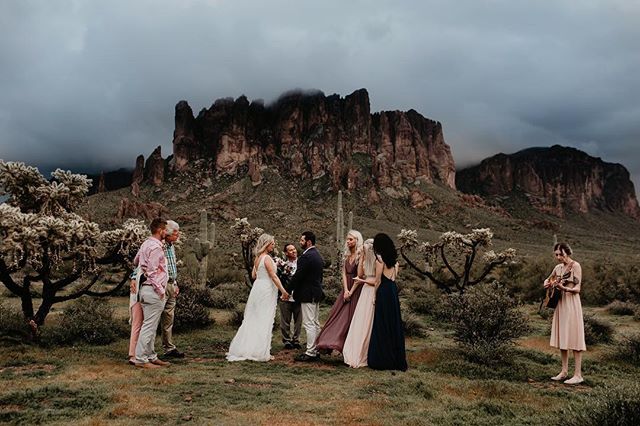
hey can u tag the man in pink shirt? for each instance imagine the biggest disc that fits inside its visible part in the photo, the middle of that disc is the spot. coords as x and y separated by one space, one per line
153 263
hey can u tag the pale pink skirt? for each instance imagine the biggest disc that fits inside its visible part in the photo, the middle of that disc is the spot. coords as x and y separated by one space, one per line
356 346
567 328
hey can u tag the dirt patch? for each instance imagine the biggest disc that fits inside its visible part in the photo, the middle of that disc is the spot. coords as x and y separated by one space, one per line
425 357
358 411
131 404
286 357
539 343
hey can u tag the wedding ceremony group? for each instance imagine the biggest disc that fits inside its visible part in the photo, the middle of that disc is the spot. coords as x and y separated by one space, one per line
364 326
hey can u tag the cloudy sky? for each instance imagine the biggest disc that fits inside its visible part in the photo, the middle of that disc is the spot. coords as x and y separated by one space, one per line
91 84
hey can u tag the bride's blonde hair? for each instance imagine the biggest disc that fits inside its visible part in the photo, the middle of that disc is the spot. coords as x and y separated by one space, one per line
263 242
369 258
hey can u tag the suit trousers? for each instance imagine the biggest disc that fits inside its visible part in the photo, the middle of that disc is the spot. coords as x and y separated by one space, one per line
290 311
311 324
152 307
166 320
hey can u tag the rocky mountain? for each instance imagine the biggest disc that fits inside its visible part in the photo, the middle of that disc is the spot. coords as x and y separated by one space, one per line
309 136
556 180
110 181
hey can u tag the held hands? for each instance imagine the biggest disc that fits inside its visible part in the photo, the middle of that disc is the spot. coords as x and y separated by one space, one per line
285 296
347 295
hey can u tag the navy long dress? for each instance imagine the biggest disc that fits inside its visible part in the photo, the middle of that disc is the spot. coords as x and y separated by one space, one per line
386 348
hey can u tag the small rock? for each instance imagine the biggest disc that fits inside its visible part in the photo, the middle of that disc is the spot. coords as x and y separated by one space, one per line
188 399
187 418
230 381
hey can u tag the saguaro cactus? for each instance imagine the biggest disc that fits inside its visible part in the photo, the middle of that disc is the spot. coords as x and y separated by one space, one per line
350 222
203 246
340 223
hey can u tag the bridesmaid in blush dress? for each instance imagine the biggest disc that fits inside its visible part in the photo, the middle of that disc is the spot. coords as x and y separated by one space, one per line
386 347
356 345
567 328
335 329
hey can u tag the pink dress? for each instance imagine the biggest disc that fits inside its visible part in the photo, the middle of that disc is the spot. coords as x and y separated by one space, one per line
567 328
334 332
356 346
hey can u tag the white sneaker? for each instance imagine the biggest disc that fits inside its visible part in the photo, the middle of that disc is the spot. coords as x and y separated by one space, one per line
574 381
559 377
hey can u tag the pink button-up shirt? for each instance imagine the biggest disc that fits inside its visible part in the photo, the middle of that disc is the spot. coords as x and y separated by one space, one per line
153 262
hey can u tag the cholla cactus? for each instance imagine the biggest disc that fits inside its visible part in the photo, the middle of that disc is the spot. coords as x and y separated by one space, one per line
451 246
248 237
40 237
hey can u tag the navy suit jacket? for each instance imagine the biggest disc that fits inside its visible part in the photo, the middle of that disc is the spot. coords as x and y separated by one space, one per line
306 283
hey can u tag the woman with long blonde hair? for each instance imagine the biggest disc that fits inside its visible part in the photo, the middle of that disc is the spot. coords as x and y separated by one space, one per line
335 329
356 345
253 340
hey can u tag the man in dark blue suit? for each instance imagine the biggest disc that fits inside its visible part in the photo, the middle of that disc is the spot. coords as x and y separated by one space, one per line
306 286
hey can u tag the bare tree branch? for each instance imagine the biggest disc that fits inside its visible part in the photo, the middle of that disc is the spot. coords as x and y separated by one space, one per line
113 290
78 293
446 263
7 280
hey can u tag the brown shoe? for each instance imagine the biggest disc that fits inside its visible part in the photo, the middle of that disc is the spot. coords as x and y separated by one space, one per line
160 363
146 365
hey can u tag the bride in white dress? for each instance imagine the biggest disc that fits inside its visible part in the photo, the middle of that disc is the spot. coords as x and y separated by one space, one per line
253 339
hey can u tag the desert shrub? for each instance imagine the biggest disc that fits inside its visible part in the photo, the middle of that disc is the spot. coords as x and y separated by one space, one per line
546 314
332 288
237 316
486 321
612 281
424 302
225 276
628 349
191 312
12 323
597 330
525 278
412 325
621 308
227 296
609 406
86 320
203 295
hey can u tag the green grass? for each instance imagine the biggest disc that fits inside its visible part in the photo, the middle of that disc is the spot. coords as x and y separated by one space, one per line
95 385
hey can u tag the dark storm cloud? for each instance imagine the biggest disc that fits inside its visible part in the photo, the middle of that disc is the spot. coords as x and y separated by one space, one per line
92 84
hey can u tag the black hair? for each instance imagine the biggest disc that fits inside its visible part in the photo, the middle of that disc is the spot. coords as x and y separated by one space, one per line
309 236
383 246
564 248
284 249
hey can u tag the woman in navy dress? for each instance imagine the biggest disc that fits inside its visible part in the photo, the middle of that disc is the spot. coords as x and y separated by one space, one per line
386 347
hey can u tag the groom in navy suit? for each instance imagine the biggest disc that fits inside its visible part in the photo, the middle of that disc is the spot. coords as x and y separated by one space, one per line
306 286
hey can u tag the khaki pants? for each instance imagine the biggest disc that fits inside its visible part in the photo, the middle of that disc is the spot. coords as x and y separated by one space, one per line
311 323
166 320
152 307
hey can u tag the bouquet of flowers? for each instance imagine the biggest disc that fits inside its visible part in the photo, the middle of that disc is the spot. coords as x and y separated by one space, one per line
285 269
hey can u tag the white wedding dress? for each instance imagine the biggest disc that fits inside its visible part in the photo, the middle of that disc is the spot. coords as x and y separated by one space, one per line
253 339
